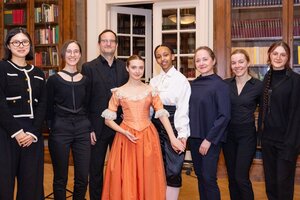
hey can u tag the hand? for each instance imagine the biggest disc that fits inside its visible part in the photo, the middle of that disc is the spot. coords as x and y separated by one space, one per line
27 141
93 138
204 147
131 137
177 145
19 137
183 141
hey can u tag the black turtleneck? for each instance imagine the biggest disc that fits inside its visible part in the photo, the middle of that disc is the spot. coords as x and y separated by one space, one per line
277 115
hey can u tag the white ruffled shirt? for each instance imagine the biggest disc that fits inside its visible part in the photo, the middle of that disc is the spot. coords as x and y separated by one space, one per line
175 90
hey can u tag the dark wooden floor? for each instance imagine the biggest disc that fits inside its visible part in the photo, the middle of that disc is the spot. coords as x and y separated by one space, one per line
188 190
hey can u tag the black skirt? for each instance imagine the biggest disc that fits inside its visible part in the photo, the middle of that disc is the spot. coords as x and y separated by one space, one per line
173 161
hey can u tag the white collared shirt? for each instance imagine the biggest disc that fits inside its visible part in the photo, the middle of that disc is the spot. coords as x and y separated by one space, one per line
175 90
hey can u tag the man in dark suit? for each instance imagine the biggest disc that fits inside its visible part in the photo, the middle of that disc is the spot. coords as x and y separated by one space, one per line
105 72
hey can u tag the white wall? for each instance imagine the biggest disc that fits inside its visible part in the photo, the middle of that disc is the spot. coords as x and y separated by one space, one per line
98 20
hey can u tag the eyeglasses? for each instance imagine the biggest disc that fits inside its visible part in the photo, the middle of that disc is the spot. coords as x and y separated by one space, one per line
75 52
107 41
17 43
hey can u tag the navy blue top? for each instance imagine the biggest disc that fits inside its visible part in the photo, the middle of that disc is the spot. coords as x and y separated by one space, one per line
209 108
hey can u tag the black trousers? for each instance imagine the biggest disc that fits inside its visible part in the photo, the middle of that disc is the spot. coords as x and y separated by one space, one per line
206 169
239 151
26 164
70 133
279 173
98 153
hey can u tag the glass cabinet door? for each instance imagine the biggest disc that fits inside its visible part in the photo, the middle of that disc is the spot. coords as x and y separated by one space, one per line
255 26
133 29
296 37
181 27
179 32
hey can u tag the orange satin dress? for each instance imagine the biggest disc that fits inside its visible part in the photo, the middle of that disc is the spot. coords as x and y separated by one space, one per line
135 170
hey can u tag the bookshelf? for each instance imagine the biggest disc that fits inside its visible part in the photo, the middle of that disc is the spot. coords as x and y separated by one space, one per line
45 22
296 36
254 25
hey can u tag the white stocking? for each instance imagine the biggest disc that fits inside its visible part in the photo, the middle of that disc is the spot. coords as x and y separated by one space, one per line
172 193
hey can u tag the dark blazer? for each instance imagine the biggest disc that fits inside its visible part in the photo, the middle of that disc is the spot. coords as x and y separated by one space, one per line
22 95
99 90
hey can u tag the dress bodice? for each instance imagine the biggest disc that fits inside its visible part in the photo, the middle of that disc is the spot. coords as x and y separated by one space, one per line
136 110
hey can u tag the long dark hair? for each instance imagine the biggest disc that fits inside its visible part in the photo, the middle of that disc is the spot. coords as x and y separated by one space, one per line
267 80
12 33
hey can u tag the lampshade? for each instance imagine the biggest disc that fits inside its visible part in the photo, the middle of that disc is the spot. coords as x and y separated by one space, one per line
184 19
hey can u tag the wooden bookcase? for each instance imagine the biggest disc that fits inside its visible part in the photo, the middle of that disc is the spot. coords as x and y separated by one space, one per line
47 31
254 25
49 23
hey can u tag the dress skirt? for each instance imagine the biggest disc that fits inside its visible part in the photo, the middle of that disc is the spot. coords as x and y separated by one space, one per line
173 161
135 170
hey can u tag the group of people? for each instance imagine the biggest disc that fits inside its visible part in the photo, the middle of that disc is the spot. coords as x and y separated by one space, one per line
146 126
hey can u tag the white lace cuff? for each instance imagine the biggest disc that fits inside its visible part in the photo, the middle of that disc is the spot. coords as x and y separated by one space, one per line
108 114
34 137
161 112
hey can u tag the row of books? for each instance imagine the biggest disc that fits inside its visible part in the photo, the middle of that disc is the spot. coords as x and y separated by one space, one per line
258 55
296 26
15 16
14 1
245 3
48 35
256 28
46 13
46 57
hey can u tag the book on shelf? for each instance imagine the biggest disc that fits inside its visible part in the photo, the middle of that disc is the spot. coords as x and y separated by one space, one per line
297 56
49 72
256 28
47 35
296 26
14 16
249 3
46 57
14 1
258 55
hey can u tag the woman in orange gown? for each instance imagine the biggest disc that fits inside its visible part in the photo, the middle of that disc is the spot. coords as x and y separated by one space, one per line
135 167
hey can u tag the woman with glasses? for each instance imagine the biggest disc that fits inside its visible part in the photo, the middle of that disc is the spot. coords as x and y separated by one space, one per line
69 126
23 107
